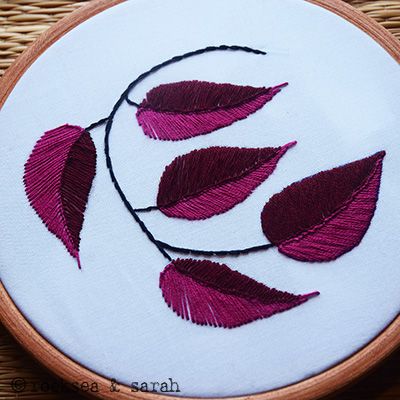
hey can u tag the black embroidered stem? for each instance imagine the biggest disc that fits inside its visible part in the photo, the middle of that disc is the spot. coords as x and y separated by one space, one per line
110 120
96 124
115 181
182 57
215 252
146 209
132 103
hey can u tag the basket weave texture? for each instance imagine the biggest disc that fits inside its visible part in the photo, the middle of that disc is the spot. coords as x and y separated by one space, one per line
21 22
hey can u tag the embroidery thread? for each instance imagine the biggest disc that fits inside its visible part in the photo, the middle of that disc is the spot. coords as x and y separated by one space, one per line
209 293
181 110
125 97
58 177
316 219
326 215
211 181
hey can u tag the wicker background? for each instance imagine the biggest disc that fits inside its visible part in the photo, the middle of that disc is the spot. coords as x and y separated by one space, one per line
21 22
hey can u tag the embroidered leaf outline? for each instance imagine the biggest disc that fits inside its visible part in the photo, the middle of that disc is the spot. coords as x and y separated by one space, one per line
209 293
182 110
211 181
325 215
58 178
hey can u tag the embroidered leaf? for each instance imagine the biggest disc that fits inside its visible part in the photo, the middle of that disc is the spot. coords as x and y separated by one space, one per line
326 215
209 293
58 177
211 181
182 110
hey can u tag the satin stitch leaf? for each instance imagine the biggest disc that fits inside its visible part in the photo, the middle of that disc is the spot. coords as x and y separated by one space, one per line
209 293
182 110
58 177
211 181
326 215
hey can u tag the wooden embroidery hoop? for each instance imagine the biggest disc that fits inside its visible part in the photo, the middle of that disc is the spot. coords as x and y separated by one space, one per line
316 387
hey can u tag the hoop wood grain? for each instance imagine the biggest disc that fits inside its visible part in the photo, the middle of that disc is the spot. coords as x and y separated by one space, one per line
315 387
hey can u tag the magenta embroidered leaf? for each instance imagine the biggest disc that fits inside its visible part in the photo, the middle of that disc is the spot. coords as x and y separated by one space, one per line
182 110
209 293
58 177
325 215
211 181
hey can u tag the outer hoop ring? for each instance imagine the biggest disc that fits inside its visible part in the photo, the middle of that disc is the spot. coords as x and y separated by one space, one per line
313 388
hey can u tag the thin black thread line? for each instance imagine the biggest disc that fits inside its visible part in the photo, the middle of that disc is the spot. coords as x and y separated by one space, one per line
96 124
115 181
215 252
146 209
110 121
184 56
132 103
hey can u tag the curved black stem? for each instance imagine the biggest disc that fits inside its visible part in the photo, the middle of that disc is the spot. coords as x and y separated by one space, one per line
182 57
116 183
215 252
110 120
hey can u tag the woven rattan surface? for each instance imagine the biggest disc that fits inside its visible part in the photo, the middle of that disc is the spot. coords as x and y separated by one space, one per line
21 22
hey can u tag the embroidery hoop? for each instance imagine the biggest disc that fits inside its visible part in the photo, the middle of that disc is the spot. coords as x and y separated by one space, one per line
320 385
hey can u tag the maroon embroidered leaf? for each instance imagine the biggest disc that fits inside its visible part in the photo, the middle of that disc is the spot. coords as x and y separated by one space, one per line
182 110
209 293
210 181
58 177
325 215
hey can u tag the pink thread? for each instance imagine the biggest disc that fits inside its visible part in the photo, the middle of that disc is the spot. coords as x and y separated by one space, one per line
343 230
58 177
209 293
306 203
223 196
209 111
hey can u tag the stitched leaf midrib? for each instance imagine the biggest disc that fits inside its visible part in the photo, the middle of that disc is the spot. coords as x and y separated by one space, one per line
335 213
233 178
232 292
64 218
263 91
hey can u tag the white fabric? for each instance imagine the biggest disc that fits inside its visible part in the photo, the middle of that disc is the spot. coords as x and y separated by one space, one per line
342 104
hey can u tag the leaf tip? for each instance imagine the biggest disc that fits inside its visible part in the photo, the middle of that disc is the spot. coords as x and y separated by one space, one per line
380 155
78 260
310 295
281 151
282 85
287 146
276 89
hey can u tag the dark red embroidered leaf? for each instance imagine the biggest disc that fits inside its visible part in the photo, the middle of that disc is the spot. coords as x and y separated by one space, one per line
58 177
326 215
182 110
210 181
208 293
